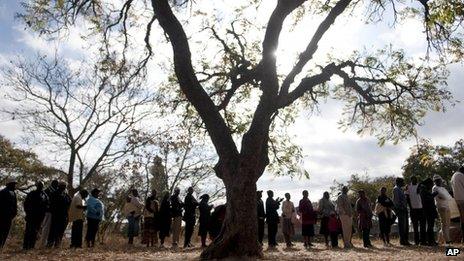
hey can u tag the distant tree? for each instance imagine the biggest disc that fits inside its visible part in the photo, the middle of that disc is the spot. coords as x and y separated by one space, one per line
24 165
177 157
371 185
81 113
427 160
241 94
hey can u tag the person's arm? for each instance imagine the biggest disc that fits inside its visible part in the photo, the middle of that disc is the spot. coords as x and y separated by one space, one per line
148 205
408 199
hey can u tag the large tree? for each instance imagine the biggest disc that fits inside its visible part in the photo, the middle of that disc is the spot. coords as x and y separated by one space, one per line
241 94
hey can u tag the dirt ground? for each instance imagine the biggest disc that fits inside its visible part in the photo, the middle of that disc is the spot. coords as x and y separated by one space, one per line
118 250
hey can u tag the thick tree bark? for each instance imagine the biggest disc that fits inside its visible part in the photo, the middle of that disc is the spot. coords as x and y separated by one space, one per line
239 234
70 174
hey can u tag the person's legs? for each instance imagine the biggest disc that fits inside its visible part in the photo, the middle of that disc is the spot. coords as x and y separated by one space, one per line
334 239
260 231
28 234
347 223
176 226
92 229
272 232
5 226
430 233
76 233
365 235
61 227
45 230
423 227
130 229
189 226
403 227
415 224
445 221
460 204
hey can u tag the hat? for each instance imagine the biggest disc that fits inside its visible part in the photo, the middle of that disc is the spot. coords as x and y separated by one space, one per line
436 176
259 191
10 180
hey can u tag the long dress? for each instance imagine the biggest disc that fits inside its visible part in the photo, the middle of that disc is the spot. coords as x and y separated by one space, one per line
164 218
385 216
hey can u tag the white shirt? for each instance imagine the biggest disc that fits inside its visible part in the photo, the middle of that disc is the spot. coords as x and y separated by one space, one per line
414 196
287 209
457 183
75 213
442 198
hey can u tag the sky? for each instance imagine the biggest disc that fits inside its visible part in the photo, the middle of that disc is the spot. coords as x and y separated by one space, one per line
330 154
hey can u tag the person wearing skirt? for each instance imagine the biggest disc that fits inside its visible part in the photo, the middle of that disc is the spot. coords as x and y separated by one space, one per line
288 209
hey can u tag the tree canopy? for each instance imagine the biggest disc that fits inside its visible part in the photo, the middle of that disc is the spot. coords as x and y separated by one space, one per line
225 65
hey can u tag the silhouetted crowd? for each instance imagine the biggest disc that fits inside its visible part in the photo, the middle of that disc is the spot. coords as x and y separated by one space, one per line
48 212
423 201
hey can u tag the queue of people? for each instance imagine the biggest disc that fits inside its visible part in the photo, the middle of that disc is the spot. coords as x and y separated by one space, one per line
420 201
48 212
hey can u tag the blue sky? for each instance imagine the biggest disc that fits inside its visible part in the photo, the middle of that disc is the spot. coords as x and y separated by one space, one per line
330 154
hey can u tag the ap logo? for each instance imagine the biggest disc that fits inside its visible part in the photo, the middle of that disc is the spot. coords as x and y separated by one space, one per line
452 251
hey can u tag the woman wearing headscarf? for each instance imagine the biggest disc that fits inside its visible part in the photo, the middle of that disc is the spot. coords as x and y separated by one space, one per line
325 208
164 217
383 209
205 216
150 214
363 207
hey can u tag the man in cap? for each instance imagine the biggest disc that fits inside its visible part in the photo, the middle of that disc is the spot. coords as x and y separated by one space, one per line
35 206
9 209
442 198
261 215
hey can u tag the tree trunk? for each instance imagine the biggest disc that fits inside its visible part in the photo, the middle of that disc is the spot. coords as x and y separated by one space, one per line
70 174
239 234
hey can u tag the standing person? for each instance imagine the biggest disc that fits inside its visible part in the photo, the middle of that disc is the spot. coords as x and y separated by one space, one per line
401 210
217 220
345 211
47 221
261 215
190 206
35 205
417 213
363 207
457 183
272 218
288 210
76 217
430 210
205 217
9 209
133 210
442 198
176 212
95 214
150 215
308 219
164 217
383 209
59 207
334 226
325 208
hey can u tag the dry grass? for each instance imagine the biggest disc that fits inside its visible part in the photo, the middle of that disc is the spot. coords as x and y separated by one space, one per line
118 250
